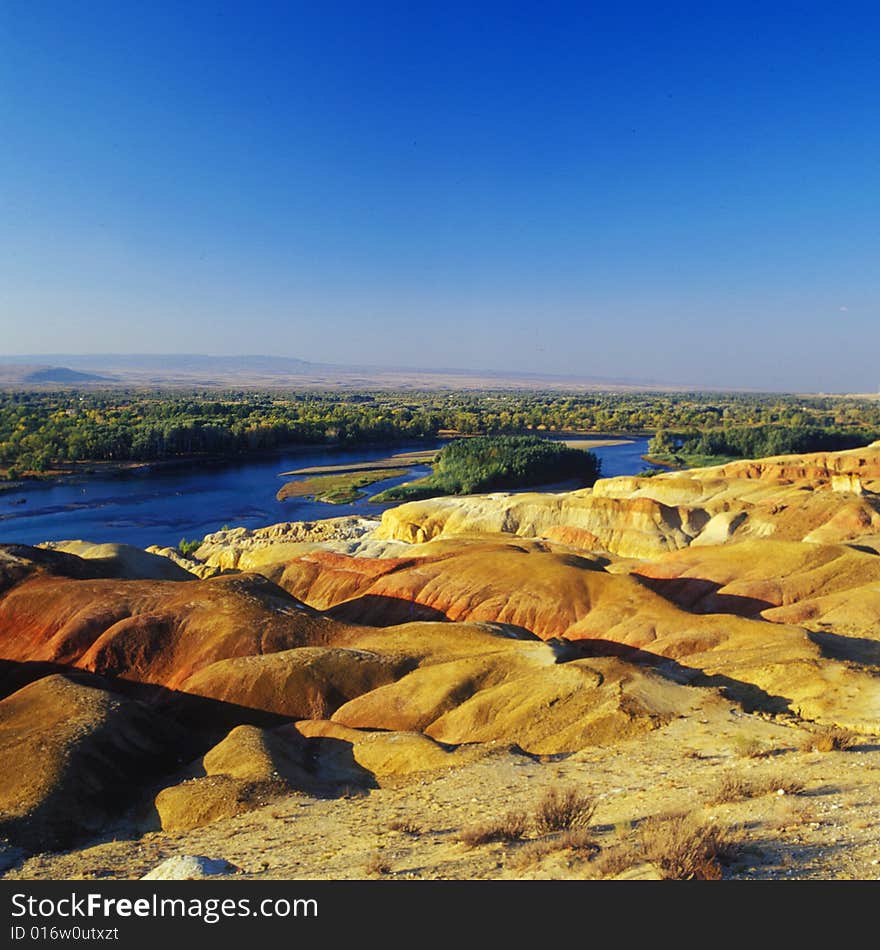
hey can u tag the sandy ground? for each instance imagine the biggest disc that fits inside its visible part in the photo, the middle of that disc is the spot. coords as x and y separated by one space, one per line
595 443
409 829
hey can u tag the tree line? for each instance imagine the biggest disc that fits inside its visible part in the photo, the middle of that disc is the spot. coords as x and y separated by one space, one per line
39 430
758 441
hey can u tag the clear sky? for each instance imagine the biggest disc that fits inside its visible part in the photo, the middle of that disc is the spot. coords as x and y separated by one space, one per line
683 191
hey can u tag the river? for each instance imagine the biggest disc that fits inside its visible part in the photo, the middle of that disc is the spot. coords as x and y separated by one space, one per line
163 505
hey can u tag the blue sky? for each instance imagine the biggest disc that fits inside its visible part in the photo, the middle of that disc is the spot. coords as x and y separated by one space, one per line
681 192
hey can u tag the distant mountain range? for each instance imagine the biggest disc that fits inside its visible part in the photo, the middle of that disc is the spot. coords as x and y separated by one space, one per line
172 370
273 372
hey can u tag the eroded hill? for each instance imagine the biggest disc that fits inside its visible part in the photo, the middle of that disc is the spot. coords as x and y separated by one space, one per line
727 607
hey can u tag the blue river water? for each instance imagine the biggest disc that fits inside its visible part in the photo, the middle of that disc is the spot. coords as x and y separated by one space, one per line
163 505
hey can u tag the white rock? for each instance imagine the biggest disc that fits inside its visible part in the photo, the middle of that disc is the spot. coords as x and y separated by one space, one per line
187 867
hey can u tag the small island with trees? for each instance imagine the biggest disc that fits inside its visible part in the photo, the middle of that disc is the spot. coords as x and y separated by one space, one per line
494 463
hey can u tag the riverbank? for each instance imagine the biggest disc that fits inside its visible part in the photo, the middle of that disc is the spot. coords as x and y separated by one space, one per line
655 462
586 444
341 489
682 462
341 484
73 471
160 504
68 472
401 460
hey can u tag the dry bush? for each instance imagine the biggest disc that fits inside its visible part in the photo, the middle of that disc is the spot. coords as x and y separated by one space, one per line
352 791
569 810
510 827
736 788
774 784
406 826
615 860
731 788
831 739
683 847
748 747
378 864
580 842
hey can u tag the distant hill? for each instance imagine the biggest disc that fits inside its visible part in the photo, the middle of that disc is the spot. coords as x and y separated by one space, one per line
190 363
31 372
61 374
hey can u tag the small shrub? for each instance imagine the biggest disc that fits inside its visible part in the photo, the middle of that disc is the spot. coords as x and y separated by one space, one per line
510 827
731 788
614 861
747 747
685 848
348 791
569 810
736 788
774 784
378 865
579 842
406 826
188 548
832 739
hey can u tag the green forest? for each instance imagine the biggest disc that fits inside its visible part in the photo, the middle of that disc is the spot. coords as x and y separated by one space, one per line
733 442
45 431
489 463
